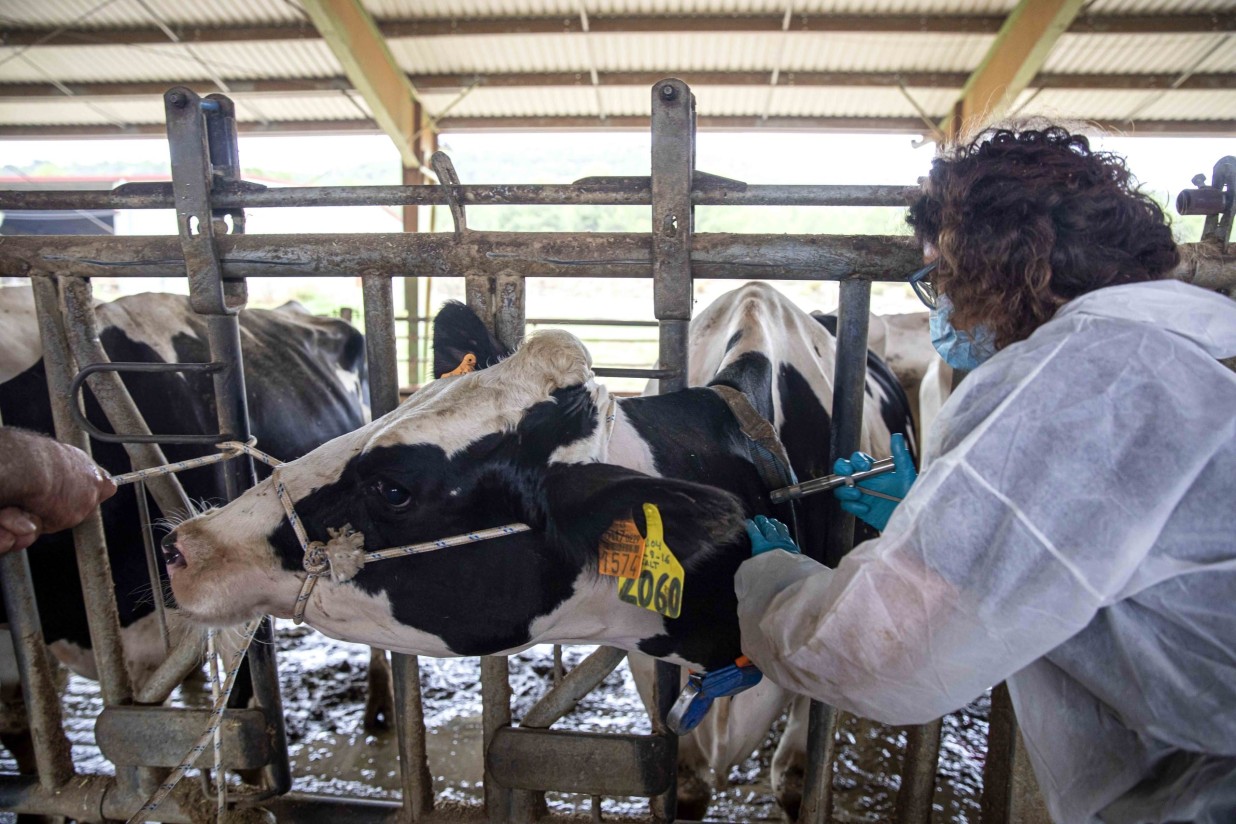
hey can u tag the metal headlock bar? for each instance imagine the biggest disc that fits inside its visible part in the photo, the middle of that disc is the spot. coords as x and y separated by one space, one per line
520 763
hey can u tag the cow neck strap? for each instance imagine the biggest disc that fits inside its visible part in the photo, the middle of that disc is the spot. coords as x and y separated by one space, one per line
764 447
343 555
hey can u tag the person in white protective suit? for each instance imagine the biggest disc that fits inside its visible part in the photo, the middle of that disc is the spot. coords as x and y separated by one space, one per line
1074 529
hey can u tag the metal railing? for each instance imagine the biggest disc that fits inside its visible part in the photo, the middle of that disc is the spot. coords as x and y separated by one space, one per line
217 258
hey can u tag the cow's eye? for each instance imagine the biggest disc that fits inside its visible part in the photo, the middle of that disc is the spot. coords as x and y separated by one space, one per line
393 495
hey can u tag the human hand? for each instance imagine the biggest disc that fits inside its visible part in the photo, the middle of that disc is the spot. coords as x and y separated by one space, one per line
18 529
47 484
875 510
768 534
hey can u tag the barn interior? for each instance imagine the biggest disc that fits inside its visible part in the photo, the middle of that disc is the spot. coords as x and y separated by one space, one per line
446 113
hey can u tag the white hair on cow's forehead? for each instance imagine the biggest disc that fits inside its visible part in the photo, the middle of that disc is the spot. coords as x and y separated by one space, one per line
454 412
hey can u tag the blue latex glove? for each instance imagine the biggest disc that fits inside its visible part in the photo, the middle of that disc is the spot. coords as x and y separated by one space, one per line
873 510
769 533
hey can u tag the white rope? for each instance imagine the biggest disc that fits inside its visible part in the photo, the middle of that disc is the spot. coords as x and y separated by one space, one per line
212 651
199 746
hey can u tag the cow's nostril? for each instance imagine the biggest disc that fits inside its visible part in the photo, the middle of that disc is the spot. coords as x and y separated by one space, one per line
171 555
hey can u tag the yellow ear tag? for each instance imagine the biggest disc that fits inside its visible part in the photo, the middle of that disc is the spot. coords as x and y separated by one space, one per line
660 582
468 364
621 550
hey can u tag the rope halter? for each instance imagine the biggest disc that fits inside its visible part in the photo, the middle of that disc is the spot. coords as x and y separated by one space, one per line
343 555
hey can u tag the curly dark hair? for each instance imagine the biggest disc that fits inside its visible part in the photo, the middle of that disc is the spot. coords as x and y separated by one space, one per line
1025 221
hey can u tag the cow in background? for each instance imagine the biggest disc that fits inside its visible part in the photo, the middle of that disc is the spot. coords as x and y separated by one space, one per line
306 382
533 438
754 340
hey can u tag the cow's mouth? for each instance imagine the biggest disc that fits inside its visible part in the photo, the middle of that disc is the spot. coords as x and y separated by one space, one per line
171 553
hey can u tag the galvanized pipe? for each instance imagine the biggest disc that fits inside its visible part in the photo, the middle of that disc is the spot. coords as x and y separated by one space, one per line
52 755
623 192
577 683
185 657
535 254
109 390
415 778
495 714
918 773
849 384
98 591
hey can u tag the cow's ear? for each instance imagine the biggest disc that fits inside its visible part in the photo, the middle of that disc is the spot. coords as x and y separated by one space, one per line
583 500
458 333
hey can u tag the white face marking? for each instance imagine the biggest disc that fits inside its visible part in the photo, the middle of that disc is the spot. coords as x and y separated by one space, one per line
232 571
20 346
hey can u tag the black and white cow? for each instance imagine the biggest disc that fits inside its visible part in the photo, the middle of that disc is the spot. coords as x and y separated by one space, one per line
533 438
306 383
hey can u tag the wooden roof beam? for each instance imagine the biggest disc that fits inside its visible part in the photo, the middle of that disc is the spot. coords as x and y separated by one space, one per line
366 58
1012 61
1184 23
455 83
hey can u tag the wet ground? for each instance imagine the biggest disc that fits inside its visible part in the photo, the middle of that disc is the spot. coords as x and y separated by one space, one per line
324 689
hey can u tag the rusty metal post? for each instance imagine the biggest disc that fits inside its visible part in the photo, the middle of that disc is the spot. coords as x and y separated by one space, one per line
52 754
203 145
415 778
495 714
673 218
849 384
109 390
918 773
98 590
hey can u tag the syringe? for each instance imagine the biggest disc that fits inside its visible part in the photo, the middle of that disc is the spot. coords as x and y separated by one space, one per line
811 487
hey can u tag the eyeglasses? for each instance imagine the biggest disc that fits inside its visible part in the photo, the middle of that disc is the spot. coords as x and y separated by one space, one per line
920 281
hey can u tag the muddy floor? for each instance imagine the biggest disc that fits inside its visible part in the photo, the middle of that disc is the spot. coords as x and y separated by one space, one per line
323 692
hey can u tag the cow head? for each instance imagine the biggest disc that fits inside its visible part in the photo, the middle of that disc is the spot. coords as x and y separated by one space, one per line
519 441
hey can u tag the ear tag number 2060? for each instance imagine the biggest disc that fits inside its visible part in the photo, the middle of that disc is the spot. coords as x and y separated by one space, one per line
660 581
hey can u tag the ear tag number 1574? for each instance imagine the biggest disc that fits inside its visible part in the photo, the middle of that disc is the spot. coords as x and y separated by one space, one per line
660 582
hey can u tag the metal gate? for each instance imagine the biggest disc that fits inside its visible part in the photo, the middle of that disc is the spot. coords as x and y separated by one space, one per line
144 739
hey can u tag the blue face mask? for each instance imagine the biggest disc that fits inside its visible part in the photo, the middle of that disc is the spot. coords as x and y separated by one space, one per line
960 350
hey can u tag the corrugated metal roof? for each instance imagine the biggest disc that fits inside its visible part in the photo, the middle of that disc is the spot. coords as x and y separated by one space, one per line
67 110
852 101
1083 104
1129 53
845 51
695 51
420 9
1157 6
171 62
301 106
96 14
573 54
1193 105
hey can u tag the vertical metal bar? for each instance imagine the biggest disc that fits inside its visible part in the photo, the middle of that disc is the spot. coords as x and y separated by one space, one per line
109 390
849 384
411 283
673 220
379 310
52 755
378 295
152 565
416 780
202 141
995 805
495 714
509 309
98 591
918 773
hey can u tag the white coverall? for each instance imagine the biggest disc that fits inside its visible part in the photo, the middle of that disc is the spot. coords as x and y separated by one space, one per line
1074 532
